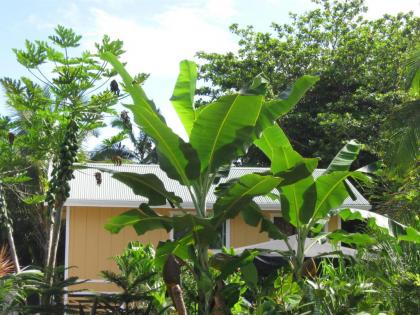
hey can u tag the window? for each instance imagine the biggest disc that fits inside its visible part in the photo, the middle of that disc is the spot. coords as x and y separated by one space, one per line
284 226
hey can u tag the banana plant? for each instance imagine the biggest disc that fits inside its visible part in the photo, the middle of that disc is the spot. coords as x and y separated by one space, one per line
305 201
218 133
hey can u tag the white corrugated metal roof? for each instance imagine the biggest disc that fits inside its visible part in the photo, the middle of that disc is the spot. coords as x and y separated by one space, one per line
85 192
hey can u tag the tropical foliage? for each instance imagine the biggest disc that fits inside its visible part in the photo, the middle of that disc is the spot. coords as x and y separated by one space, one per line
238 119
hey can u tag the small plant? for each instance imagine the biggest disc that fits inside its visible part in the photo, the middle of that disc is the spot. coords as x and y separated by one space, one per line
142 288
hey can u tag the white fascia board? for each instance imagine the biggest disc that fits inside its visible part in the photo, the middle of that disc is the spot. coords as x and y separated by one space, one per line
185 205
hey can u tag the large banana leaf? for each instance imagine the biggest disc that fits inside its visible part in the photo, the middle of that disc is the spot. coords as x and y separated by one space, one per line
143 219
330 192
146 185
298 201
231 200
345 157
224 127
296 191
253 215
183 96
285 162
176 157
275 109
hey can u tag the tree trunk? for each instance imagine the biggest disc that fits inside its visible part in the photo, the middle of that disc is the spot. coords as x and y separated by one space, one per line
53 240
9 229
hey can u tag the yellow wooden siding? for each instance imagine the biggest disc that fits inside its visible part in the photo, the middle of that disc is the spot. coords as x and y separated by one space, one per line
334 223
91 246
242 234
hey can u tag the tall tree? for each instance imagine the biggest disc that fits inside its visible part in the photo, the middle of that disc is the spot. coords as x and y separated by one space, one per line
359 63
55 115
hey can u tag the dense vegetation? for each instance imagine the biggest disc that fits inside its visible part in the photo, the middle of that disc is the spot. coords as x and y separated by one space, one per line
328 77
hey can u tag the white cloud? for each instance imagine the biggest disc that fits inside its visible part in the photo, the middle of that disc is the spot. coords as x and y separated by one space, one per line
377 8
174 34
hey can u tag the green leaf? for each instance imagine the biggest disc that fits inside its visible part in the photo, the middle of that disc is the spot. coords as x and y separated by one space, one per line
285 162
330 193
143 219
224 127
351 238
177 158
203 229
298 201
345 157
146 185
16 179
180 248
412 235
275 109
250 275
35 199
233 196
253 216
183 96
228 264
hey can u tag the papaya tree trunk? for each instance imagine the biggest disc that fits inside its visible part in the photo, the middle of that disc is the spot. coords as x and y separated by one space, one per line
53 240
7 224
12 247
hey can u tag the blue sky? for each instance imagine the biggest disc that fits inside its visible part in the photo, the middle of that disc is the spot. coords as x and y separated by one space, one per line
157 33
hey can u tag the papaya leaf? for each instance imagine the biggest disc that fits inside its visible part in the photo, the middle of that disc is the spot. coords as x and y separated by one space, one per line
183 96
35 199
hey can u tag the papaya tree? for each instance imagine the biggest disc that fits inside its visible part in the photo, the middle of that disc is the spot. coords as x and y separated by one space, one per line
52 115
218 133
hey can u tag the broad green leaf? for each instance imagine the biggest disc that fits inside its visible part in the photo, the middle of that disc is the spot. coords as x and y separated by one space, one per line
224 127
241 192
285 162
177 158
275 109
228 264
330 192
180 248
203 229
298 201
146 185
250 275
378 220
351 238
183 96
253 216
345 157
412 235
143 219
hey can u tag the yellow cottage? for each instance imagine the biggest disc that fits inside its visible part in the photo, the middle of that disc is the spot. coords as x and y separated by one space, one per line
89 247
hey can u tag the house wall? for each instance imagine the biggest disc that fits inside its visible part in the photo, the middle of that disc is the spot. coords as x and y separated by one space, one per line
90 247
